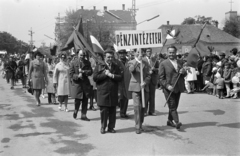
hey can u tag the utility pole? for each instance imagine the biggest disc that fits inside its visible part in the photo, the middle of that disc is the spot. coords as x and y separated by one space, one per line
58 24
231 2
134 10
31 35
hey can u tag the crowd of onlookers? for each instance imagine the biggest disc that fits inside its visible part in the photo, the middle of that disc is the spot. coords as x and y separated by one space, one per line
216 74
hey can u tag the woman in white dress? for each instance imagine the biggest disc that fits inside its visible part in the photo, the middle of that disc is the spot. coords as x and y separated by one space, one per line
61 81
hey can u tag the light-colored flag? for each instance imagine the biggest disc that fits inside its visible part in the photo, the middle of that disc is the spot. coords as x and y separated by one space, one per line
96 45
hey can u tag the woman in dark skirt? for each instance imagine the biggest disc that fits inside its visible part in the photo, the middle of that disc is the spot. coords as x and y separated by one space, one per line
38 76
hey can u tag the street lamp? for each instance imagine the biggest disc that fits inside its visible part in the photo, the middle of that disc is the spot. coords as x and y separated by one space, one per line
147 20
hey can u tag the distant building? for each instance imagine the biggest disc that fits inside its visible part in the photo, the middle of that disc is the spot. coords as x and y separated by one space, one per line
211 36
101 24
232 15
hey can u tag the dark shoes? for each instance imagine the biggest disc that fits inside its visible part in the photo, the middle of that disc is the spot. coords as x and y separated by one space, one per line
111 130
85 118
152 114
138 131
92 108
74 114
170 123
12 88
124 116
102 131
178 125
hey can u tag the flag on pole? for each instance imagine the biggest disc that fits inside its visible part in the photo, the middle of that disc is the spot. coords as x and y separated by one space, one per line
172 36
101 13
96 45
194 54
112 14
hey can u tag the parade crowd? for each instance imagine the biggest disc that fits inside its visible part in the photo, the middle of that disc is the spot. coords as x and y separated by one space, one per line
112 82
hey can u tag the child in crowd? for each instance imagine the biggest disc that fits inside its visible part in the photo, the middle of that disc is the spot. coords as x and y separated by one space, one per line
219 85
50 89
208 87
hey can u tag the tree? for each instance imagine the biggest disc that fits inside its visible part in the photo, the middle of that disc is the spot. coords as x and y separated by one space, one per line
11 44
199 20
232 26
189 20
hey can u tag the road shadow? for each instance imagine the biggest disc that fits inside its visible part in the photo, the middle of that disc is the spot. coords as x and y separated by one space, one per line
216 112
197 125
231 125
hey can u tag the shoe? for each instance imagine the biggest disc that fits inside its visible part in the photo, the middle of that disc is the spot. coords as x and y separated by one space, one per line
234 97
227 96
124 116
142 130
152 114
38 104
66 110
111 130
92 108
60 107
74 114
170 123
138 131
12 88
145 114
85 119
102 131
178 125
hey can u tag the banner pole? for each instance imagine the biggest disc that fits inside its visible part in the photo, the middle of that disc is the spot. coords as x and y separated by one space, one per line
141 75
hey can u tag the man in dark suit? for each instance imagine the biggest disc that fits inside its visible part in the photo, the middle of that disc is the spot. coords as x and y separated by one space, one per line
80 87
107 75
154 65
135 87
123 85
168 74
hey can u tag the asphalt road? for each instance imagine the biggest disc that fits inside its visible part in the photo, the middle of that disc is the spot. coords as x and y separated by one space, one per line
211 126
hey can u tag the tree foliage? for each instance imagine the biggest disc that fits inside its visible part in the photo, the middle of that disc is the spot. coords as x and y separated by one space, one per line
232 26
95 25
199 20
11 44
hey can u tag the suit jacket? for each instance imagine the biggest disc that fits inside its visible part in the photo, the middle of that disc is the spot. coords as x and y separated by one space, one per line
79 86
107 88
135 81
124 83
168 76
154 76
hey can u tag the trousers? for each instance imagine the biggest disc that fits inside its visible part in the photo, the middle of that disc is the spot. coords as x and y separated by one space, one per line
108 113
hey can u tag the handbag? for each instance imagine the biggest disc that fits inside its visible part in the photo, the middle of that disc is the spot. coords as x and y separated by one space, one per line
30 90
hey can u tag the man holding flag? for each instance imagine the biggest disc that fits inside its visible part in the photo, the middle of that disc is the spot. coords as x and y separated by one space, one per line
171 75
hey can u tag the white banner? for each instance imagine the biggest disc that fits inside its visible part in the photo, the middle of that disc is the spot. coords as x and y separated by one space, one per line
131 39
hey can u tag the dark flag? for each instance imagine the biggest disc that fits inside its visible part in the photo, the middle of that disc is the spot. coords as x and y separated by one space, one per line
194 54
53 50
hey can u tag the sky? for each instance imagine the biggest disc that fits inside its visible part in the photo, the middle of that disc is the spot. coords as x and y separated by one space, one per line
17 17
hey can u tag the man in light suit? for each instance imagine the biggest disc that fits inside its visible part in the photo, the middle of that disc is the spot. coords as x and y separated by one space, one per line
154 65
135 87
168 74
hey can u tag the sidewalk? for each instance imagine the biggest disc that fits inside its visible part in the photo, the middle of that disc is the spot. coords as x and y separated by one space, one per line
210 127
